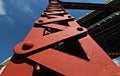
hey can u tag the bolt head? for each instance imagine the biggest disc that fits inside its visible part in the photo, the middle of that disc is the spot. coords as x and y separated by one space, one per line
80 29
27 46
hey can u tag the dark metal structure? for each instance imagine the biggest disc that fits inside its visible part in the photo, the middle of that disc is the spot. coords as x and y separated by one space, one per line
90 6
104 27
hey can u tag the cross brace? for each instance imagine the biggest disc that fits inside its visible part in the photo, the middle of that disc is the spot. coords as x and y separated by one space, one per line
90 6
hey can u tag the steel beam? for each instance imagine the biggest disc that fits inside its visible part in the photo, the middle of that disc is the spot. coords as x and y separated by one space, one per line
89 6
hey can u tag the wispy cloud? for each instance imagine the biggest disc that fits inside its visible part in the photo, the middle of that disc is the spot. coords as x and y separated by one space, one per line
117 61
23 6
9 19
2 10
27 9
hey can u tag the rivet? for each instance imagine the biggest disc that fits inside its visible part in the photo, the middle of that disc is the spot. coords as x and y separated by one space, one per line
69 17
27 46
80 29
40 20
45 13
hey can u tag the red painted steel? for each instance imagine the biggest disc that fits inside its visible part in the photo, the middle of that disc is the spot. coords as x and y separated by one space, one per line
69 65
17 67
58 46
48 40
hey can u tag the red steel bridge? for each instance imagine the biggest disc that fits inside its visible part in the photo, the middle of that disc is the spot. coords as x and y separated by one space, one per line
58 46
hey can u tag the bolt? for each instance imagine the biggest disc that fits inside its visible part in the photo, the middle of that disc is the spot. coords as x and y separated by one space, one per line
27 46
44 13
80 29
69 17
40 20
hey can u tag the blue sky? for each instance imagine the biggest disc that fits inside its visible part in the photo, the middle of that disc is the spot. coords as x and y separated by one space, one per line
17 18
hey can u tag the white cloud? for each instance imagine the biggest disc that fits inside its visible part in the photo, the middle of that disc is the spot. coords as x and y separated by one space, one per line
9 19
23 6
117 61
27 9
2 10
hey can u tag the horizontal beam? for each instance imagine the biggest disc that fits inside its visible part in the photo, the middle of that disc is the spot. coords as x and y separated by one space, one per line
89 6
